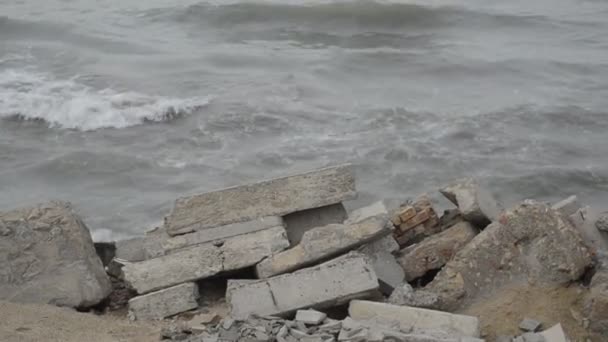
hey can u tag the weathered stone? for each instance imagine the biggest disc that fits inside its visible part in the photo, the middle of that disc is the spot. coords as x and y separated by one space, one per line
377 209
300 222
321 243
114 268
153 243
435 251
555 334
532 337
131 249
164 303
475 203
332 283
389 272
415 319
205 260
449 218
567 206
602 222
384 244
530 242
419 218
596 305
405 295
276 197
310 317
217 234
47 256
530 325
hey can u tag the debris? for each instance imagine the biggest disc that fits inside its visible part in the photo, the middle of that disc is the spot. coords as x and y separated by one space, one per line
602 222
555 334
530 325
424 223
278 197
415 319
435 251
310 317
164 303
205 318
596 305
567 206
205 260
300 222
336 281
322 243
48 257
475 203
405 295
114 268
377 209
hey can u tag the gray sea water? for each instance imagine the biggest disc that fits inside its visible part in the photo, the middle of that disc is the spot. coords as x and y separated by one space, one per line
123 106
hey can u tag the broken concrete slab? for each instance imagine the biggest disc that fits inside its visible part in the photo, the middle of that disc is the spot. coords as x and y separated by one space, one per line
276 197
48 257
377 209
530 325
406 295
131 249
216 234
389 272
310 317
205 260
322 243
530 242
415 319
332 283
567 206
164 303
555 334
435 251
596 302
476 204
300 222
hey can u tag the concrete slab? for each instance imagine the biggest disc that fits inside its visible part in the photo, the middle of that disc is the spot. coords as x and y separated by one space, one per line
300 222
164 303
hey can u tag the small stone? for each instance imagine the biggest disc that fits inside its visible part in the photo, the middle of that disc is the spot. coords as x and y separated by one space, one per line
602 222
529 324
310 317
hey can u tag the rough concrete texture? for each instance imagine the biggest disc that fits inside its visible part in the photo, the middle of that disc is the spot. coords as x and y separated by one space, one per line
596 305
601 223
131 249
529 243
153 243
555 334
567 206
435 251
175 243
205 260
310 317
164 303
332 283
529 324
384 244
415 319
276 197
322 243
406 295
300 222
48 257
374 210
477 205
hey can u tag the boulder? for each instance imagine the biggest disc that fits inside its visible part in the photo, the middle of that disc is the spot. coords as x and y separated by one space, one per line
276 197
477 205
529 243
47 256
435 251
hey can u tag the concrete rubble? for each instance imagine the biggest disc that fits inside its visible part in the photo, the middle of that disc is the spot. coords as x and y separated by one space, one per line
476 204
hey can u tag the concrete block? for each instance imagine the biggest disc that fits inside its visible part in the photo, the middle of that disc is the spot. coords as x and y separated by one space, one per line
332 283
131 249
276 197
153 243
528 324
406 295
376 209
322 243
164 303
435 251
567 206
300 222
175 243
384 244
310 317
205 260
476 204
555 334
415 319
390 274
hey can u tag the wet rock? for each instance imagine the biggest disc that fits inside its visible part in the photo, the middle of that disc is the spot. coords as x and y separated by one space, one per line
406 295
476 204
530 242
48 257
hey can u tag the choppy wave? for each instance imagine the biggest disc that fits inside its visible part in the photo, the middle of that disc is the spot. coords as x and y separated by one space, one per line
26 95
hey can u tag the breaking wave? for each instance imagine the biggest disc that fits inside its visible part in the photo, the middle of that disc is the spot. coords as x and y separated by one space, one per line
26 95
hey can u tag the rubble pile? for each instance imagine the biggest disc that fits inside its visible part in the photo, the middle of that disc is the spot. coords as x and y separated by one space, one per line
297 267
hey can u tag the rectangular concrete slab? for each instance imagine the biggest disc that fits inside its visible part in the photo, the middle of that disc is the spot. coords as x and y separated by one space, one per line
322 243
415 319
175 243
205 260
164 303
276 197
332 283
131 249
300 222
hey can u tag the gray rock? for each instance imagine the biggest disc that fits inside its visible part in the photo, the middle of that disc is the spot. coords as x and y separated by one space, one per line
131 249
602 222
405 295
532 337
310 317
332 283
114 268
322 243
596 301
530 242
276 197
555 334
477 205
435 251
530 325
384 244
390 274
300 222
48 257
164 303
205 260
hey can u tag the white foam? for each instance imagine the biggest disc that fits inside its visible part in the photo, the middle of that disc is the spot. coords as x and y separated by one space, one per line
70 104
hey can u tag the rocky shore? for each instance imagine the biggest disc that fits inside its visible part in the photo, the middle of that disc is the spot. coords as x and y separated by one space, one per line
283 260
